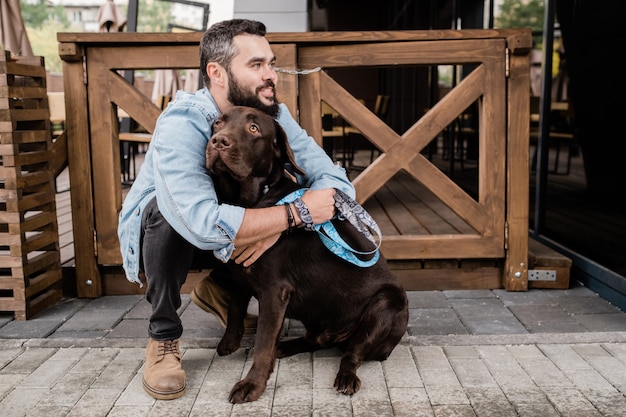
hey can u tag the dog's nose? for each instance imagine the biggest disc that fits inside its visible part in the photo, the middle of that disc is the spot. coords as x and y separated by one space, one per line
221 142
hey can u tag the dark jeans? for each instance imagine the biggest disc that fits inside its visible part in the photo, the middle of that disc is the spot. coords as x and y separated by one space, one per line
166 258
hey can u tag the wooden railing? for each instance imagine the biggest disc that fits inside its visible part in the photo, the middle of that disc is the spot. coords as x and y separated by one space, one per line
499 83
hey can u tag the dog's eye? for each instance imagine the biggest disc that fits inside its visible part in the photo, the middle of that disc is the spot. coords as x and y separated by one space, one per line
253 128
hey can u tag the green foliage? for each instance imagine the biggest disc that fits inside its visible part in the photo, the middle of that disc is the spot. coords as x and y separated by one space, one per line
42 24
43 21
521 14
43 40
153 16
36 14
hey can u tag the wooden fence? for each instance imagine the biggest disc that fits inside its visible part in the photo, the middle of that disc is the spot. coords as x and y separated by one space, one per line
492 226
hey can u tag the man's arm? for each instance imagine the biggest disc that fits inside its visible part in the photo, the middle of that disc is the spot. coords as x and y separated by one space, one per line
261 228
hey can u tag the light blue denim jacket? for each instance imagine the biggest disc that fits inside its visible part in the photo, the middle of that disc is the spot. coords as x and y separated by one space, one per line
174 170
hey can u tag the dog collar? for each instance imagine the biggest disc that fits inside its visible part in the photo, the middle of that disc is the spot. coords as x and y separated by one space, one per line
352 211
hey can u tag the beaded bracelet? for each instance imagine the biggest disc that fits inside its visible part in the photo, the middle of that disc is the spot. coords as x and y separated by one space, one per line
291 220
305 215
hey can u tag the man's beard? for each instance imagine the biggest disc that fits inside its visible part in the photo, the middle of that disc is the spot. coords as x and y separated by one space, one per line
239 97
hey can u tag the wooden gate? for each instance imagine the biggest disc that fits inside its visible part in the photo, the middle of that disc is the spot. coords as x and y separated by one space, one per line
494 225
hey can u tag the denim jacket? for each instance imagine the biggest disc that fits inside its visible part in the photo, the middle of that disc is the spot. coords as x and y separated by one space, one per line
174 171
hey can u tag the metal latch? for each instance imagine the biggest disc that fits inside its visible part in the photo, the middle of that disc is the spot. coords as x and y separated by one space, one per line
541 275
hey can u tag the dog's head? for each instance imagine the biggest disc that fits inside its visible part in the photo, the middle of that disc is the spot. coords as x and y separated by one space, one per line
246 154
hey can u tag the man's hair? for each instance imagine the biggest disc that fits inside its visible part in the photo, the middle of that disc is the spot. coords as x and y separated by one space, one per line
217 42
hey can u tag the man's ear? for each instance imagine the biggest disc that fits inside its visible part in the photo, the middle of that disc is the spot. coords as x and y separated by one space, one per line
216 73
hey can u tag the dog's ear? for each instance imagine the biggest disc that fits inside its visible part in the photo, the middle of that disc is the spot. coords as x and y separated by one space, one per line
284 150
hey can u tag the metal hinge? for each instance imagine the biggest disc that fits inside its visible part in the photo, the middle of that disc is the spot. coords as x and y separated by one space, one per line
541 275
506 235
507 62
95 243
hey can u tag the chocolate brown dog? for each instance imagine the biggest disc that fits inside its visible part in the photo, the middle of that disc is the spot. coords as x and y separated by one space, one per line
362 311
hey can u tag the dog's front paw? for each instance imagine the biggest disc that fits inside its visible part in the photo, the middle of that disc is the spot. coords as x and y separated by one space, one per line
347 383
228 345
246 390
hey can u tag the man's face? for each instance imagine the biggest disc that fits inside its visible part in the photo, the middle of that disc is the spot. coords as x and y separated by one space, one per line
251 76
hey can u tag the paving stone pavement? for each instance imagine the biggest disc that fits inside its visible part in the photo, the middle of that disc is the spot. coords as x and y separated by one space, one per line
465 353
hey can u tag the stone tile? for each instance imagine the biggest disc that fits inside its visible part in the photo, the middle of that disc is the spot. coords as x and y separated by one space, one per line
427 299
401 373
490 402
324 371
141 310
129 328
569 401
120 370
113 302
296 370
575 290
42 410
21 400
28 361
5 317
587 305
612 322
90 320
79 334
62 310
328 403
548 318
533 297
95 402
193 317
434 321
534 410
29 329
452 294
487 316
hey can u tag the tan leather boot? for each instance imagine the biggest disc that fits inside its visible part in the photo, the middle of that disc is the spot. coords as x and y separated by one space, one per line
214 299
163 375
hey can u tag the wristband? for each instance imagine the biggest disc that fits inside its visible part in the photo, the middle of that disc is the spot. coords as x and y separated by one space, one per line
305 215
291 220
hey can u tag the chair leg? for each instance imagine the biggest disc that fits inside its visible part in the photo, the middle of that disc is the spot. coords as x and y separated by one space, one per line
556 157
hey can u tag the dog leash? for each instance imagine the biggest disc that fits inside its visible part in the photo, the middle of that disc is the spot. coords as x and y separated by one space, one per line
353 212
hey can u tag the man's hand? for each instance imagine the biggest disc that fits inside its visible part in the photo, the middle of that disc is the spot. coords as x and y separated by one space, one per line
249 254
321 204
261 228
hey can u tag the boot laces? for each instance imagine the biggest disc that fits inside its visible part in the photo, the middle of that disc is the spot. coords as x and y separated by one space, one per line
168 347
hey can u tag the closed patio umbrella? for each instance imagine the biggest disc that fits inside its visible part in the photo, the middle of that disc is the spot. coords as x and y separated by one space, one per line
110 18
166 83
13 36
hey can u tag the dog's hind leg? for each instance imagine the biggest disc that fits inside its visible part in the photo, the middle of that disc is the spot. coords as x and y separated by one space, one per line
379 330
294 346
